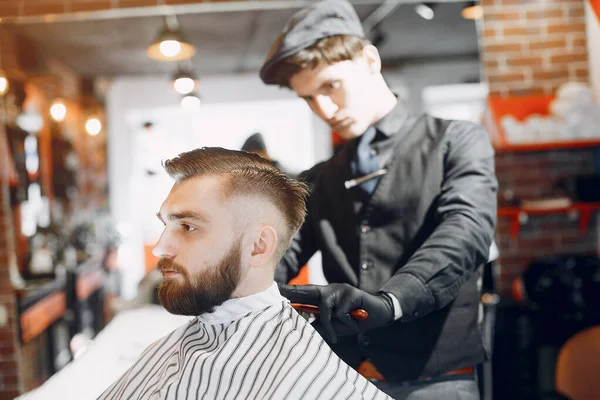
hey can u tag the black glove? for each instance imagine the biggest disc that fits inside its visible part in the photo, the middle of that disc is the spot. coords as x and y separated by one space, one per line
338 300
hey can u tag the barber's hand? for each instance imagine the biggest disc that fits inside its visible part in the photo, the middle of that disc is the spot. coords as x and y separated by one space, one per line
338 300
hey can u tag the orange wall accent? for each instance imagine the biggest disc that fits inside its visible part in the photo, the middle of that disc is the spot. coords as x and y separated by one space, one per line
302 278
151 259
596 7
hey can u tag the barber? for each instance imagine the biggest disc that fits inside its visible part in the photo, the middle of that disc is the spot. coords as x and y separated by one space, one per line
404 215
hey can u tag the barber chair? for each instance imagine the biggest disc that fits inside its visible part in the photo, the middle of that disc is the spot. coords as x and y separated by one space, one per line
561 296
578 365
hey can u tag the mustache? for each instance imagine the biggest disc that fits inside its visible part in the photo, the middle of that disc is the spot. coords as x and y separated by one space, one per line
165 264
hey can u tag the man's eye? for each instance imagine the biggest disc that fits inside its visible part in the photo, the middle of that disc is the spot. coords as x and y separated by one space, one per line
334 84
187 228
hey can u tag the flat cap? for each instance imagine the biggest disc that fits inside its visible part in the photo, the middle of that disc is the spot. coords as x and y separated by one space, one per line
309 25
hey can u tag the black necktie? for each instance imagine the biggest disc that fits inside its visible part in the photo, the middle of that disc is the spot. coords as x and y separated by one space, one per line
365 162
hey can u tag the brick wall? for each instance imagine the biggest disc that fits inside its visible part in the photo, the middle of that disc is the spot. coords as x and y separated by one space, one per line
23 8
534 47
25 366
10 381
531 175
34 374
21 367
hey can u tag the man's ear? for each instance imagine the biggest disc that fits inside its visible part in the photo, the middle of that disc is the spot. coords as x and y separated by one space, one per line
371 55
264 247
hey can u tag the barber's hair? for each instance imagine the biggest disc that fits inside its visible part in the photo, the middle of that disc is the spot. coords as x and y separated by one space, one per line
329 50
246 174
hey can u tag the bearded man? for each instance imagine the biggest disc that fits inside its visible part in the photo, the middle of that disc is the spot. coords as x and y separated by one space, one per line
228 220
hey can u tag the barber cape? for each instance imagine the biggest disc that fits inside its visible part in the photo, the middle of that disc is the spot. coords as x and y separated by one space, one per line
255 347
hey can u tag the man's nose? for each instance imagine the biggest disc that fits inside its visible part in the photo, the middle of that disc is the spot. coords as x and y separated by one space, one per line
326 108
164 248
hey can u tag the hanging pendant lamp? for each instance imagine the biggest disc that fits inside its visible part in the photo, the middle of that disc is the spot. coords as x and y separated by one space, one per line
170 45
184 82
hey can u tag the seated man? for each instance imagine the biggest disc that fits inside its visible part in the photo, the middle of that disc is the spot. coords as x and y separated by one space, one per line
228 219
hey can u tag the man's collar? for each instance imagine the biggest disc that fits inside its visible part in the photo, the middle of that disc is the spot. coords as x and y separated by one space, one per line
392 122
236 308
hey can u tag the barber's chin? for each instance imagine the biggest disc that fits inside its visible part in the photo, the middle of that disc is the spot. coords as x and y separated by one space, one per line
350 132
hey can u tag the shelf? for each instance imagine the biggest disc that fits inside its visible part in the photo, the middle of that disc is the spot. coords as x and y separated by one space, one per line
572 144
37 318
519 214
521 107
36 290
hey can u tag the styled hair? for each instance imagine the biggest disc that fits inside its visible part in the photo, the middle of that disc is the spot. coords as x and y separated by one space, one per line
329 50
247 174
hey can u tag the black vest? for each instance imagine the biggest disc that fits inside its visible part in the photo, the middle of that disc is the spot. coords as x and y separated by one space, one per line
365 248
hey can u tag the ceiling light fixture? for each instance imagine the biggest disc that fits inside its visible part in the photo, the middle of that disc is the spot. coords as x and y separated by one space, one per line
30 120
184 82
93 126
58 110
425 10
472 11
3 83
3 77
191 102
170 44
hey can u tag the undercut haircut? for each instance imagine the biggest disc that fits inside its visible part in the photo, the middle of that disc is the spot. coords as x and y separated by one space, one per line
246 174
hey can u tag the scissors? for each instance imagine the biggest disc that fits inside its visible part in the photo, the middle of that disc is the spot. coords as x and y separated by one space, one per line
358 314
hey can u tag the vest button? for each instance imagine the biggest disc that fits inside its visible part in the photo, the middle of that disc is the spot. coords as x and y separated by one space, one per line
367 264
364 339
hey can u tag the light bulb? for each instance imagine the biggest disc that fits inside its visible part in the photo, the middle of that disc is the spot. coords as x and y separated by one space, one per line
58 111
472 12
184 85
30 121
424 11
93 126
30 145
3 85
170 48
190 102
32 164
